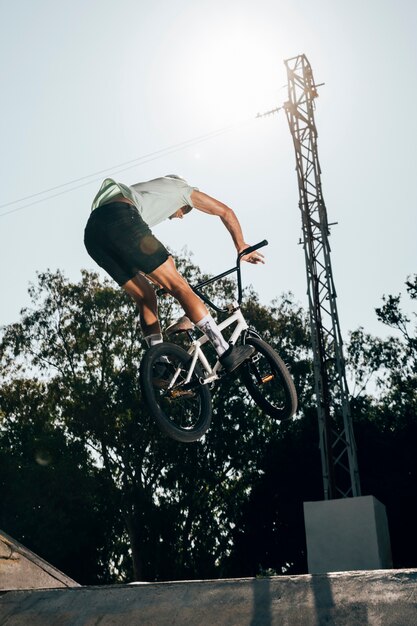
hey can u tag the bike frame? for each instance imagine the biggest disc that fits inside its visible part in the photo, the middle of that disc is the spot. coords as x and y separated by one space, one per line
195 350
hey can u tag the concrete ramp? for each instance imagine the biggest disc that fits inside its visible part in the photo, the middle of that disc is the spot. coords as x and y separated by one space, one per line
21 568
377 598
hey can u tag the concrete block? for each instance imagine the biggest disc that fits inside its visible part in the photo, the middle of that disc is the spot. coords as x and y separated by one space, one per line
347 534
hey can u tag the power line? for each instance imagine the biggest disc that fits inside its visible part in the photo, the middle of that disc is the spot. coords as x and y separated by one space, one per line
121 167
116 169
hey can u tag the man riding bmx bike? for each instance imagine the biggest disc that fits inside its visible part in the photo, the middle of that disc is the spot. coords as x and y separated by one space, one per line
118 237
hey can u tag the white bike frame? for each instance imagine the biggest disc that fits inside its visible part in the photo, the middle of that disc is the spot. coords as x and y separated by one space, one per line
236 317
195 349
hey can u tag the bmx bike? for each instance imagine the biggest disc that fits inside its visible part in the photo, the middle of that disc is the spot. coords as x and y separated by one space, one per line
177 383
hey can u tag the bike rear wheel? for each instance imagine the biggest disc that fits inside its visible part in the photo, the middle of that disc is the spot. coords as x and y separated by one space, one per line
269 382
182 411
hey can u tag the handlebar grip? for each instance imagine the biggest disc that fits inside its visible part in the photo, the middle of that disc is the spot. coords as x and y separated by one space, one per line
261 244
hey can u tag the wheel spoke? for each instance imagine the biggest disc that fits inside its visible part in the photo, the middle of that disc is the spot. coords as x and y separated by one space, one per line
181 405
269 383
183 411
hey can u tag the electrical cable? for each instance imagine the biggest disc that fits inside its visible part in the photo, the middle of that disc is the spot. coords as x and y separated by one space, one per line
121 167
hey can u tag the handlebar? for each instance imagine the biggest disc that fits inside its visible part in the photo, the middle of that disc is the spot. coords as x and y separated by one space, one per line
261 244
236 269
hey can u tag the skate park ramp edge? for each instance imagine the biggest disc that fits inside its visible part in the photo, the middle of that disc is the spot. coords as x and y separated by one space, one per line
20 568
376 598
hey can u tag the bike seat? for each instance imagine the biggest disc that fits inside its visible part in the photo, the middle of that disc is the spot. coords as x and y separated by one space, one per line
180 326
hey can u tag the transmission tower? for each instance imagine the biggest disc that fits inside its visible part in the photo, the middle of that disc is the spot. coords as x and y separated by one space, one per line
337 444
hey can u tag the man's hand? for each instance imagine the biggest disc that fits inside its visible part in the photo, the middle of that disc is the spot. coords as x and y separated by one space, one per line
254 257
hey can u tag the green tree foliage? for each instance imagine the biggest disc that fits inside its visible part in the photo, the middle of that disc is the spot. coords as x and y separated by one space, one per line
386 419
50 493
90 483
162 509
271 536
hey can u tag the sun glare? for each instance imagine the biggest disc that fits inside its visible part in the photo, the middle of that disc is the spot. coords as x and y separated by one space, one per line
230 69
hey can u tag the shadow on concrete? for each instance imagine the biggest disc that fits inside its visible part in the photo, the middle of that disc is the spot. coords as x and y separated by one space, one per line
262 609
325 605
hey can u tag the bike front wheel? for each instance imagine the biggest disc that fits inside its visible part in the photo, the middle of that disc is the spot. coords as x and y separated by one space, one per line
269 382
182 410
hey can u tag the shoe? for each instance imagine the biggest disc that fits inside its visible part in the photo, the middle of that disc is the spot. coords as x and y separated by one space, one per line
235 356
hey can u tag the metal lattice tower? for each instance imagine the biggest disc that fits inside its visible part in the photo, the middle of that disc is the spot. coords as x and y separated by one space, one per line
337 444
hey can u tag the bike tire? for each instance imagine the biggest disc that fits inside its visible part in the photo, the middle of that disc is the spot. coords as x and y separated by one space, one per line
269 382
183 415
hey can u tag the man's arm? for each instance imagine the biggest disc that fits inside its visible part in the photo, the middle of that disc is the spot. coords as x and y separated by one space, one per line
207 204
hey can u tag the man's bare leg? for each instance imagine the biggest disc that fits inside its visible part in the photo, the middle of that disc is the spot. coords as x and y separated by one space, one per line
144 296
168 277
171 280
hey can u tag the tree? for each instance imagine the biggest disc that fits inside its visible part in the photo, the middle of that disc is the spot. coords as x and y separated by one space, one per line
172 508
50 494
386 421
270 535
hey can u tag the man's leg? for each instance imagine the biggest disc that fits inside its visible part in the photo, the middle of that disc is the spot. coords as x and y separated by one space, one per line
144 296
170 279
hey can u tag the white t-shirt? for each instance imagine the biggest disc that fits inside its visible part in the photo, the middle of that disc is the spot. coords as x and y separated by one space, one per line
156 199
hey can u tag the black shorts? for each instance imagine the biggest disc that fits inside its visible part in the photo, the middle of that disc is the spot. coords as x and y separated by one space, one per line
118 240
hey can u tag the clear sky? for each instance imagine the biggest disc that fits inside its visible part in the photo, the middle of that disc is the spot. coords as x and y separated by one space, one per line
90 84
